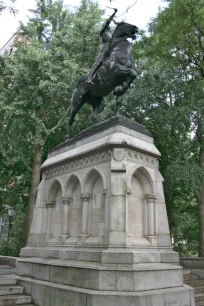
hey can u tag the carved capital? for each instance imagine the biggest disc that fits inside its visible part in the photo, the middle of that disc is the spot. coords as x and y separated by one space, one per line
66 201
129 191
150 198
50 204
105 192
86 197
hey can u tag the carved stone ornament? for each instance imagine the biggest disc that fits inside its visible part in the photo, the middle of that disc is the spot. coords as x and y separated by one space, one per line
105 192
50 204
118 154
150 198
129 191
86 197
81 163
141 158
66 201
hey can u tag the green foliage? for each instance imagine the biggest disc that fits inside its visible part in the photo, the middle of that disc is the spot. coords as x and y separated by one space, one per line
35 92
168 99
17 234
36 86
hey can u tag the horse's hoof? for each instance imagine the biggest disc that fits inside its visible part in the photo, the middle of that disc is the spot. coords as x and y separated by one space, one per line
95 121
119 90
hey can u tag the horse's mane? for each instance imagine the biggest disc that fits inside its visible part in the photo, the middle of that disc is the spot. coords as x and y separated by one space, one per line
117 32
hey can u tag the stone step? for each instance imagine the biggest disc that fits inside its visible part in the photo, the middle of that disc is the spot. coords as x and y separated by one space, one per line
199 297
189 277
8 280
199 303
199 289
196 282
11 289
14 300
26 305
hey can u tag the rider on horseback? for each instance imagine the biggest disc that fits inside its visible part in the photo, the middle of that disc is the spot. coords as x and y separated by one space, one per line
106 36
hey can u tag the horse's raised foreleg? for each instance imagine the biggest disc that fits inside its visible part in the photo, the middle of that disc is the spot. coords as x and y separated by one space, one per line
119 70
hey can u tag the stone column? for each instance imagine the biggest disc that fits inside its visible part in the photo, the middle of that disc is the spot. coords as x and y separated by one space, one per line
66 204
85 213
50 205
150 199
118 211
129 192
105 213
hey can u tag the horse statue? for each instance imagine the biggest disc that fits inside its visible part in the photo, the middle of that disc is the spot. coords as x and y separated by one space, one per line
115 75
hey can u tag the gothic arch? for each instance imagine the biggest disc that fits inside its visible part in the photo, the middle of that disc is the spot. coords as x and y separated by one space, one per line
72 181
145 177
54 209
54 188
90 179
94 185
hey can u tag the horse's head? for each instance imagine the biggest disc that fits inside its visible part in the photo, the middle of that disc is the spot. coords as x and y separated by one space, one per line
124 29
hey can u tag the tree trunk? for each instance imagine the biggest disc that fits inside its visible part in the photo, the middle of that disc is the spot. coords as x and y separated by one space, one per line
200 200
200 192
35 179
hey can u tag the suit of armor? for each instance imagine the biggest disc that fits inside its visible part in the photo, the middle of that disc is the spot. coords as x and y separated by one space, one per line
106 37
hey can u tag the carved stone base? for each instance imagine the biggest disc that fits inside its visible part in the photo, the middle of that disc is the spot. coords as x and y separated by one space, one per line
71 283
100 233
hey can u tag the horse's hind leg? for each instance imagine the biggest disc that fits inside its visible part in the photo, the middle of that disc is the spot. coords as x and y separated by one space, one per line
120 91
118 105
96 110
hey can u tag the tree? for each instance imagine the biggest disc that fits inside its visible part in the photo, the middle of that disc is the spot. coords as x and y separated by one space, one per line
38 81
4 6
178 38
168 98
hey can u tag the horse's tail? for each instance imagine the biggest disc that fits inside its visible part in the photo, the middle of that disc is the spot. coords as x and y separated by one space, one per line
78 93
76 90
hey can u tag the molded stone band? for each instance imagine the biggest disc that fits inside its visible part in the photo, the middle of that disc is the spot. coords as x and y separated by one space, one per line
113 121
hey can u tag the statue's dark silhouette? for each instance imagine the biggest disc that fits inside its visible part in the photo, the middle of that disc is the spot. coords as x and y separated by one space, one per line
106 37
115 75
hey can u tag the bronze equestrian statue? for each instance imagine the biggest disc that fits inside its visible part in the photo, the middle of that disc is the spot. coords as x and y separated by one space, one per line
115 74
106 37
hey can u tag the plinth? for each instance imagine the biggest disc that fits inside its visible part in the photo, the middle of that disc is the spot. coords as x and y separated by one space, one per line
100 233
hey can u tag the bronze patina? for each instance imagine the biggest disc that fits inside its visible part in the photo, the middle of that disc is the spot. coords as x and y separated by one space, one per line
113 72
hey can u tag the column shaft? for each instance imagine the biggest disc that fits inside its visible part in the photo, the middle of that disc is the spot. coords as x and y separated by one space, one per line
50 205
85 213
150 199
66 202
151 222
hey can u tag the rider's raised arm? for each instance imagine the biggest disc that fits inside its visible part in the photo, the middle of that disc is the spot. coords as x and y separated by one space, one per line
106 25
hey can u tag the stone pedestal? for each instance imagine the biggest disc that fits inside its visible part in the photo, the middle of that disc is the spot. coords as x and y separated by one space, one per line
100 233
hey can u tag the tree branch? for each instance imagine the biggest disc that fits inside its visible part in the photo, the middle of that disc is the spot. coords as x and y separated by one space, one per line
128 8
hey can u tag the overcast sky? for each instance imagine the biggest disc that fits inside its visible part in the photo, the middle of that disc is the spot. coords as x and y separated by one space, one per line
139 15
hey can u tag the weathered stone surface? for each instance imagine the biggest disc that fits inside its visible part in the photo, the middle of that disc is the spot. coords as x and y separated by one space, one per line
75 296
96 276
100 233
